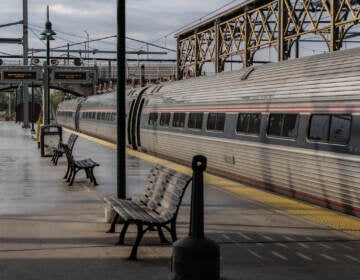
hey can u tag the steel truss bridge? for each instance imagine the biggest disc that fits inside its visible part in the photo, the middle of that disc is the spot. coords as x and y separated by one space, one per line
255 24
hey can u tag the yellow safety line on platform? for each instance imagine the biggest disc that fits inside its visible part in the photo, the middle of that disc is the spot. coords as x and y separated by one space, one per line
279 203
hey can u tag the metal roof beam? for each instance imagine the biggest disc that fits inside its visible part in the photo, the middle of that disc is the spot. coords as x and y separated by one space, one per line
12 23
11 40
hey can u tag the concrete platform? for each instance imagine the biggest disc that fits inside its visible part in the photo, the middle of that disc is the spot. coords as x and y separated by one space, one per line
49 230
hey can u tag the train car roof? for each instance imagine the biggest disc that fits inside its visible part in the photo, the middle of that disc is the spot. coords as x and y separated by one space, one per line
319 77
70 104
107 100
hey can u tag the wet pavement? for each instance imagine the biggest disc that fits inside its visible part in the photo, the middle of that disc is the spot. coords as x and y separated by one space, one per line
49 230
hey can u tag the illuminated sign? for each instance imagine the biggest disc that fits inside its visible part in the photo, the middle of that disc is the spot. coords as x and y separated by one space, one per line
70 75
19 75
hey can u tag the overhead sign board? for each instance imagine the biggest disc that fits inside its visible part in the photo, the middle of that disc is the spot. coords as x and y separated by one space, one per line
20 75
69 76
58 75
16 74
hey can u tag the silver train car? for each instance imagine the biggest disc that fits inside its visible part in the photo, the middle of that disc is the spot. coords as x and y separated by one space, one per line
94 115
291 127
97 116
67 113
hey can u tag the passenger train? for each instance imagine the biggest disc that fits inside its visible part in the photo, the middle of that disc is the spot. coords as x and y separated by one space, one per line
291 127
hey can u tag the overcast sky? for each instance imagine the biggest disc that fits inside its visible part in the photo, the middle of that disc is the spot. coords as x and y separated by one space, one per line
153 21
147 20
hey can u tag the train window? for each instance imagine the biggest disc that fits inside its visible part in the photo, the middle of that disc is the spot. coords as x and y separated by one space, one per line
93 115
216 121
153 116
165 119
179 120
334 129
248 123
283 125
319 127
103 115
195 120
340 129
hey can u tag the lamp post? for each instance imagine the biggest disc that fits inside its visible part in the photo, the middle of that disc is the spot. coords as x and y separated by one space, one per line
47 35
87 54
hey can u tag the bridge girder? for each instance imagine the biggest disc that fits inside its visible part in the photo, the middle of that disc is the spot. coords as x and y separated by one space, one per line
255 24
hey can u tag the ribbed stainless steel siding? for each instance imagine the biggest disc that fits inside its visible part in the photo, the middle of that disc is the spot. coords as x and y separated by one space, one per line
316 77
99 129
320 174
66 122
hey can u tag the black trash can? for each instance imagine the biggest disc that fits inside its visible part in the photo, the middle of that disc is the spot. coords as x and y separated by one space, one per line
50 137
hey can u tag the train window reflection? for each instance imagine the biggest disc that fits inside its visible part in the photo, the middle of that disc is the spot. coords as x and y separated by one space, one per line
330 128
153 118
283 125
216 121
165 119
248 123
195 120
179 120
340 129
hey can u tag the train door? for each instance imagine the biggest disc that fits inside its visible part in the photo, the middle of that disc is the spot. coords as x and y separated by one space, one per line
138 118
130 116
134 121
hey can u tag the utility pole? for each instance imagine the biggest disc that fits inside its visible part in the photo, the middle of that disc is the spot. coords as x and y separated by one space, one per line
25 62
120 106
9 106
68 53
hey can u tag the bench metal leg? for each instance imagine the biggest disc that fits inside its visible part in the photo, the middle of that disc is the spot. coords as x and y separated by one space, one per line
161 235
113 223
93 177
67 172
122 234
53 158
173 231
73 177
87 171
139 236
70 174
58 155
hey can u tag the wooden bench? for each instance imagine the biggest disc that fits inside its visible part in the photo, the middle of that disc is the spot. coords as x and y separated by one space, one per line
156 208
76 165
59 151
